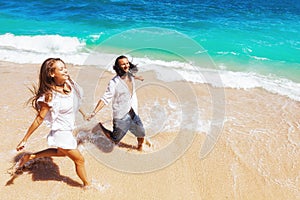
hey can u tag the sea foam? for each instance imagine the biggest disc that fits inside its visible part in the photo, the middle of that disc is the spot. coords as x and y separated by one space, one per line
34 49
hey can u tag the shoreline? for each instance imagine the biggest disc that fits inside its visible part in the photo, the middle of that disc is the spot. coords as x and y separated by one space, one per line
215 78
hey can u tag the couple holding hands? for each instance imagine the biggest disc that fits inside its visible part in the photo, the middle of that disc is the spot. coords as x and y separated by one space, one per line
57 99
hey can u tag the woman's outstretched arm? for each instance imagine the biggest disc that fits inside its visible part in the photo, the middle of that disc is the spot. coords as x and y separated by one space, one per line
35 124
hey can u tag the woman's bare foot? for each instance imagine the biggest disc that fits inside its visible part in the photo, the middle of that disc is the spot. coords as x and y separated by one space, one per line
87 187
24 159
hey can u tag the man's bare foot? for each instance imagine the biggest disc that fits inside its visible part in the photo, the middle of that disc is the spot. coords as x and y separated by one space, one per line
107 133
140 144
140 147
148 143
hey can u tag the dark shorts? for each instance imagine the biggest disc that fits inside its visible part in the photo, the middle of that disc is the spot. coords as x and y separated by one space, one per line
130 122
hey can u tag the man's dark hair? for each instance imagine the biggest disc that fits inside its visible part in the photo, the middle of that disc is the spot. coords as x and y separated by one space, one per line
119 70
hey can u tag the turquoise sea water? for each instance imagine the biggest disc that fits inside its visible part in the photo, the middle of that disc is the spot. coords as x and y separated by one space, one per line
259 42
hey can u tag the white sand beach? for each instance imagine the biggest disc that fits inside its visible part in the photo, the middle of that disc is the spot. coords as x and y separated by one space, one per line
255 157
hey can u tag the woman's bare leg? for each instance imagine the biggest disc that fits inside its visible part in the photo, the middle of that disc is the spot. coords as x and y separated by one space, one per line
78 159
44 153
74 154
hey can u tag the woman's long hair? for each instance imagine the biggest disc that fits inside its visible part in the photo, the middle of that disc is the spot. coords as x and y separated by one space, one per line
46 82
120 72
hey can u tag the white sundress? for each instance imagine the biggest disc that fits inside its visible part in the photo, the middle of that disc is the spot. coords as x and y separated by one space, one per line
61 117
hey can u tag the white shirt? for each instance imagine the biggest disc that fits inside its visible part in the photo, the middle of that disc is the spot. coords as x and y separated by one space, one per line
118 93
63 108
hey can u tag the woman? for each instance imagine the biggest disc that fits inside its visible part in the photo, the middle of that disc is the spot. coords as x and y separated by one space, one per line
56 101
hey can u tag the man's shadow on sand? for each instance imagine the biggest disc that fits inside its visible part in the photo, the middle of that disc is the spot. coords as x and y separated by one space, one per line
42 169
99 136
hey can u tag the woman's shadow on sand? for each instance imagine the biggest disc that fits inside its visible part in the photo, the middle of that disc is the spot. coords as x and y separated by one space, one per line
44 169
41 169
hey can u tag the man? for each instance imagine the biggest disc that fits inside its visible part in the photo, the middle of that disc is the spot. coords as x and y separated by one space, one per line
121 92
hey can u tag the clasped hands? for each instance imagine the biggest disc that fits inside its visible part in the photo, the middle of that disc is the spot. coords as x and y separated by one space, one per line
89 116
